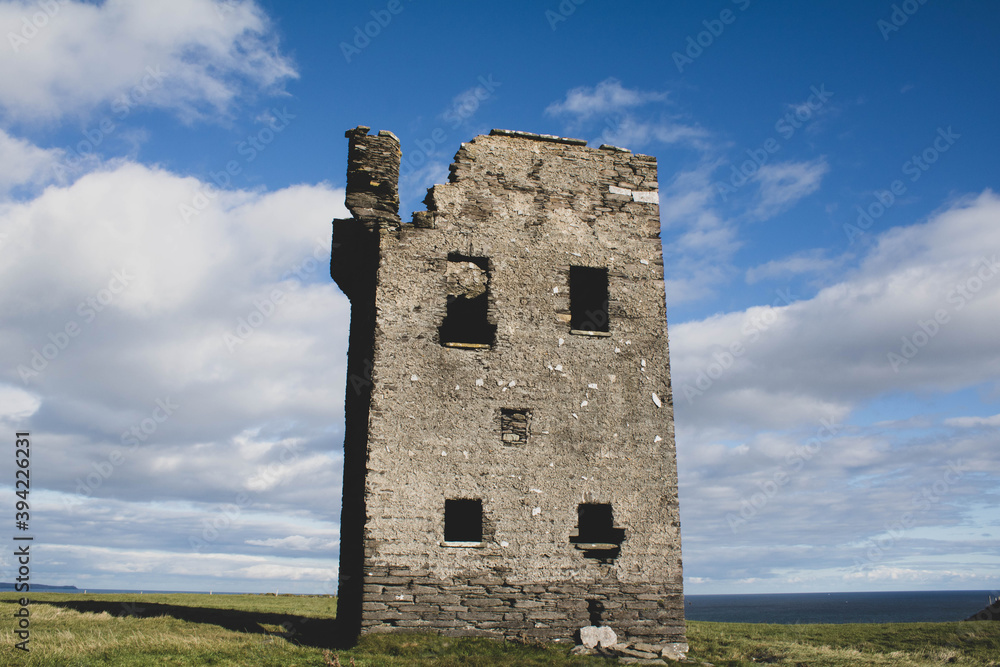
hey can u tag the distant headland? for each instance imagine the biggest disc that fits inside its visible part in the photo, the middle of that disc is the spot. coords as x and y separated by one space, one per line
7 586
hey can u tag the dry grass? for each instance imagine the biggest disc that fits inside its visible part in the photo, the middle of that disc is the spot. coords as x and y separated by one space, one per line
976 644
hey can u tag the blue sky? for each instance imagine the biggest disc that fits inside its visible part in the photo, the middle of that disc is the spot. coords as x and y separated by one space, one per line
172 339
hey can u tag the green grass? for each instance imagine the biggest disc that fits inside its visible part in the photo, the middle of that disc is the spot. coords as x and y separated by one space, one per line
889 644
76 630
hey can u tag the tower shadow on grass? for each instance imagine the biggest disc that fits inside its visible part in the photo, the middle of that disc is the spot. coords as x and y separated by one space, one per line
323 633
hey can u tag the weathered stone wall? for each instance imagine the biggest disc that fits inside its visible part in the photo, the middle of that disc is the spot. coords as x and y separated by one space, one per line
401 599
429 425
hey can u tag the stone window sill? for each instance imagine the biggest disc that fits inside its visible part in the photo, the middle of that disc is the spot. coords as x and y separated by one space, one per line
594 334
596 546
467 545
469 346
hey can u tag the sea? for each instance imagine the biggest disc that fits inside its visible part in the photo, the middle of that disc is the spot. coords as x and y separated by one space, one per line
783 608
881 607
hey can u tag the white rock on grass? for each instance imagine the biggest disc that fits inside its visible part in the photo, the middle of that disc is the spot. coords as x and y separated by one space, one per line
675 651
594 635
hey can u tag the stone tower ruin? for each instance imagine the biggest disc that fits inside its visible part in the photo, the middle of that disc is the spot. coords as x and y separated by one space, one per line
509 463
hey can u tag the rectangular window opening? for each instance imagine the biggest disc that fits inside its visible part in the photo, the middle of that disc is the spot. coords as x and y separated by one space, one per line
596 534
463 520
514 425
595 609
466 322
588 300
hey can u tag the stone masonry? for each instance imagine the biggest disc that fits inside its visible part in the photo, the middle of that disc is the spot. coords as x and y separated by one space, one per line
509 464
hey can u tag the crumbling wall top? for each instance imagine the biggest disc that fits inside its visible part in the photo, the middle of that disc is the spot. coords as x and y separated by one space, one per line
538 137
373 177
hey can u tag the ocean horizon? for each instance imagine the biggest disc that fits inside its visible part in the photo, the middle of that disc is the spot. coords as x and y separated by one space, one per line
780 608
868 607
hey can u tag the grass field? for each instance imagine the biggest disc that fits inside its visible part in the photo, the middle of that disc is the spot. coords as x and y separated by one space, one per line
77 630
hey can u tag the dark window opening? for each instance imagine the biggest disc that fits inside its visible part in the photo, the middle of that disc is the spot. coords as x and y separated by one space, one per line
466 321
514 426
596 533
595 610
588 299
463 520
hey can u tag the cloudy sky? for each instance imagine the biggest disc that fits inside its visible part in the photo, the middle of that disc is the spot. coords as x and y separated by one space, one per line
170 335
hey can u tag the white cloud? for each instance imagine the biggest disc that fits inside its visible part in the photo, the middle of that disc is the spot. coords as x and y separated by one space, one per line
465 105
837 348
753 390
134 229
286 572
699 244
808 261
607 97
300 543
155 362
633 133
256 569
782 184
23 163
848 505
615 107
884 575
973 422
194 57
16 404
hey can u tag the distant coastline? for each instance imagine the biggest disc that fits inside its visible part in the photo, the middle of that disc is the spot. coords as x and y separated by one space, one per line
5 586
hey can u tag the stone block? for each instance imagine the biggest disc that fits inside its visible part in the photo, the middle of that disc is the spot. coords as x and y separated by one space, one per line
417 623
483 602
544 615
648 648
634 653
528 604
675 651
441 599
592 636
479 616
391 615
387 580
